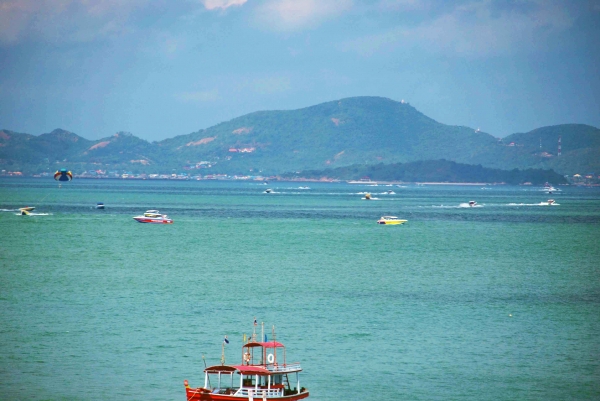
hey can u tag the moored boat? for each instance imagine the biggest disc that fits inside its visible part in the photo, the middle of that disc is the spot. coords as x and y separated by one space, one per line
393 220
264 374
154 216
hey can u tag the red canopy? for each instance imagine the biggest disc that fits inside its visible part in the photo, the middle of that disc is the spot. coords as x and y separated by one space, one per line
268 344
221 368
253 370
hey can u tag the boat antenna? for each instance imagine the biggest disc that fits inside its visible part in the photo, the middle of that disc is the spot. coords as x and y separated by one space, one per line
205 367
225 341
274 345
262 331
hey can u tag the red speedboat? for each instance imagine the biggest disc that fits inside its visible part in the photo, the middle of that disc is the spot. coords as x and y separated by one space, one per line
263 374
154 216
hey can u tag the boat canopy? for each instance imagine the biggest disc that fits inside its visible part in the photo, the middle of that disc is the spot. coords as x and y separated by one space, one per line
268 344
220 369
253 370
243 369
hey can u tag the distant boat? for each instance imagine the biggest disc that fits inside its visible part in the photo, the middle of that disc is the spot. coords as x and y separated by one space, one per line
303 187
367 197
99 205
27 208
153 216
268 191
392 220
472 203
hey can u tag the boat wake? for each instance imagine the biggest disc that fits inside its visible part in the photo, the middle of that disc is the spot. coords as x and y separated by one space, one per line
468 206
534 204
33 214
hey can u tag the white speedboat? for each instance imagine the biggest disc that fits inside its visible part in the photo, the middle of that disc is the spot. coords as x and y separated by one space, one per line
472 203
153 216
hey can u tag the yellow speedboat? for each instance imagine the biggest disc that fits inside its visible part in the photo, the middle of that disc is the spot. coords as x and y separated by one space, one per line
390 220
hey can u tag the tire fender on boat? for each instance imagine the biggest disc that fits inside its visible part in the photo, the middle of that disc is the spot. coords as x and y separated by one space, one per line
270 358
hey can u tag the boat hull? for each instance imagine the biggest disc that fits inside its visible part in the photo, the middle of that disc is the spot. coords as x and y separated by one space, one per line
201 394
152 221
392 222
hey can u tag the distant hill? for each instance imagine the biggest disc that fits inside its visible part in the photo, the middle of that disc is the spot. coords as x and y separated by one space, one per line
358 130
434 171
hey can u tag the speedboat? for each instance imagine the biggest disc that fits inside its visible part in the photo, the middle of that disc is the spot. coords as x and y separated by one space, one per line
268 191
472 203
262 374
26 209
551 202
390 220
100 205
153 216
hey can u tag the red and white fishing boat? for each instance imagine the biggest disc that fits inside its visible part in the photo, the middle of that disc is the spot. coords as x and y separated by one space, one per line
263 374
153 216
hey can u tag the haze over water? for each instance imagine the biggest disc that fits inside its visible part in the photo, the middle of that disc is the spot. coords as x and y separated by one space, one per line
498 302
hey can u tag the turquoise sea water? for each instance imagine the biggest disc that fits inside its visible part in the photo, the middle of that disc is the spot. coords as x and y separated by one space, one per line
498 302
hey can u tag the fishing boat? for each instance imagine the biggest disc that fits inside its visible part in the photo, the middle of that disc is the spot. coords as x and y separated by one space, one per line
390 220
262 374
154 216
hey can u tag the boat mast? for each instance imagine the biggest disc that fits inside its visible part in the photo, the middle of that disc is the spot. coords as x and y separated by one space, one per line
274 346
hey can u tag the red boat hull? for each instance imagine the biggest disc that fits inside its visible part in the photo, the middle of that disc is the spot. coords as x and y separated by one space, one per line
201 394
153 221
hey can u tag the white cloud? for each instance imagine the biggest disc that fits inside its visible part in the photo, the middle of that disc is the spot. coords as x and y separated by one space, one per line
290 15
222 4
477 28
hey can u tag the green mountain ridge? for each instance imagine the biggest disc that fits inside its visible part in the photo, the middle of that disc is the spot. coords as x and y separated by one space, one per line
441 171
357 130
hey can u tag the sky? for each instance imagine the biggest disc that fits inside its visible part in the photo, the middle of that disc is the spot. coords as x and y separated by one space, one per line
162 68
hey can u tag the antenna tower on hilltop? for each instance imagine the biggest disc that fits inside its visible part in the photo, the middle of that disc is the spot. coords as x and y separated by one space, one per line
559 146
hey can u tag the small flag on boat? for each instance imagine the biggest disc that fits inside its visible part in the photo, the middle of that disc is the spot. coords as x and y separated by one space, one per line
265 338
245 338
225 340
255 322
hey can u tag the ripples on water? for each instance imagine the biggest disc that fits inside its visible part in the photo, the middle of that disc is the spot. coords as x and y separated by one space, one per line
499 302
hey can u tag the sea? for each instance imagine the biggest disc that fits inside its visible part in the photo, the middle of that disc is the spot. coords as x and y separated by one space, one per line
500 301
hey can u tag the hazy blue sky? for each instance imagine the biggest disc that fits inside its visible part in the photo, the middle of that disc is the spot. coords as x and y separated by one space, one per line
161 68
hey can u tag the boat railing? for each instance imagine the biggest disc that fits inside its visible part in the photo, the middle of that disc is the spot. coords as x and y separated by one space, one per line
288 367
258 393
